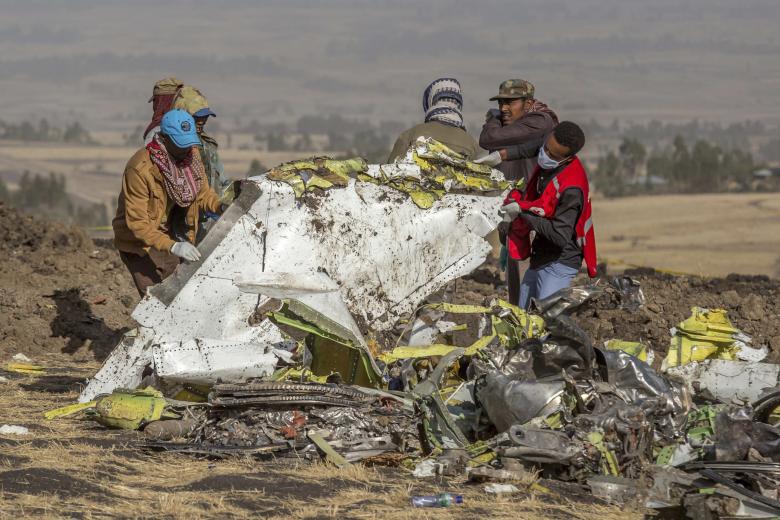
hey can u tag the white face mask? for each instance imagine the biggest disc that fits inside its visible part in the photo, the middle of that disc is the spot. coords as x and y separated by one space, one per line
545 163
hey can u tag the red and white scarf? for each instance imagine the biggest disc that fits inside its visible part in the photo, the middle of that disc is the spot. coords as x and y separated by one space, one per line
183 180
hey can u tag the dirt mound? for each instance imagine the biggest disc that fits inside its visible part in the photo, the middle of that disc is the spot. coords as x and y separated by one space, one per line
59 291
751 301
19 232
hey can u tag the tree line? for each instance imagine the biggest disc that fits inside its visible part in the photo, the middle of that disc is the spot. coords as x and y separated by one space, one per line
47 196
678 168
43 131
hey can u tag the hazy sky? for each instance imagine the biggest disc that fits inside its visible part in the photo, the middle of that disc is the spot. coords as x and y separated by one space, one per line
96 60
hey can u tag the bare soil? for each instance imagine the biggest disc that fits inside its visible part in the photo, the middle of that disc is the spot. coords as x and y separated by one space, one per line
751 301
60 293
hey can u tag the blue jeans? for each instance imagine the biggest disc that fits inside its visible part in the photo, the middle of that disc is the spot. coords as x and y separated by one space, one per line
541 283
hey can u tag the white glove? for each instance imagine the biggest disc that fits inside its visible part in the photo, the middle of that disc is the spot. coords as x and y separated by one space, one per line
491 159
510 212
186 251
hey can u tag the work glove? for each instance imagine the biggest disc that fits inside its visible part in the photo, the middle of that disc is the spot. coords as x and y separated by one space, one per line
491 159
186 251
510 211
493 113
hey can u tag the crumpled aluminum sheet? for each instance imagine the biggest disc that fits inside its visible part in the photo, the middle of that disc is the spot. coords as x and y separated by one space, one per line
565 301
737 432
635 382
507 401
631 296
727 381
516 363
541 445
533 359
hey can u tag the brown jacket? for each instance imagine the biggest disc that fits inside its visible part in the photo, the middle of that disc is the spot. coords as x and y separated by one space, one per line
532 125
143 208
457 139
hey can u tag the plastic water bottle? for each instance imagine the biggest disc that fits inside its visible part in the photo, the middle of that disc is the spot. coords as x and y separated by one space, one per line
440 500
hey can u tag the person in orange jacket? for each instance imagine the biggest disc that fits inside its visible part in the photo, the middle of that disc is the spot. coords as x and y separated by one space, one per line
163 188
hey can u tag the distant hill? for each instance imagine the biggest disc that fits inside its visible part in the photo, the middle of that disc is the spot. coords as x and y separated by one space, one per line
96 61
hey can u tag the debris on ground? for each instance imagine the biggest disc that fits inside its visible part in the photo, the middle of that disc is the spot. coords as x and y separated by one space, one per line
497 489
12 429
25 368
335 349
371 257
708 334
440 500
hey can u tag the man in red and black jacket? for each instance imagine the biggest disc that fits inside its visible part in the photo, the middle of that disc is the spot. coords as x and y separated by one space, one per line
556 206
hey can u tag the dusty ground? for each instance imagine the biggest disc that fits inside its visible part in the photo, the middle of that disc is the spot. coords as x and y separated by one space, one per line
75 469
65 300
94 173
709 235
752 302
59 292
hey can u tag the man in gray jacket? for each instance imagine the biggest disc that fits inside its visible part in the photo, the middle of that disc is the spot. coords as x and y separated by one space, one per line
518 119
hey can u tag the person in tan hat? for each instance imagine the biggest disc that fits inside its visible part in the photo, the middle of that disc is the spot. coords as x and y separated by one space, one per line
163 94
194 102
518 119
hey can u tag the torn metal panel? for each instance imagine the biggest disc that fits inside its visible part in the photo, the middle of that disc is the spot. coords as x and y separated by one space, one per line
203 361
636 382
630 291
383 253
124 367
507 402
565 301
333 348
542 446
615 490
709 334
727 381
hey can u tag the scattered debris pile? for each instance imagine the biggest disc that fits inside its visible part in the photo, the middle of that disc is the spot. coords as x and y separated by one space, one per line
325 348
497 391
347 424
752 303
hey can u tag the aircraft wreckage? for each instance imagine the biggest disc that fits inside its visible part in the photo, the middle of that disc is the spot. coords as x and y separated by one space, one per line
307 329
350 246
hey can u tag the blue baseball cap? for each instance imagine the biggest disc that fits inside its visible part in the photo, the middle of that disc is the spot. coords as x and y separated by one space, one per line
180 127
204 112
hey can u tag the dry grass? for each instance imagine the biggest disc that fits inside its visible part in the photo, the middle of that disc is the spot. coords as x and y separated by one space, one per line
712 235
79 164
73 468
